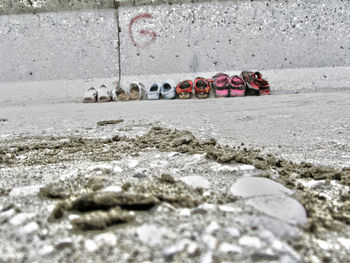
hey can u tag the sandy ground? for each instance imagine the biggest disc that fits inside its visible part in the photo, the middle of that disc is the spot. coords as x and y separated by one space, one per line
241 186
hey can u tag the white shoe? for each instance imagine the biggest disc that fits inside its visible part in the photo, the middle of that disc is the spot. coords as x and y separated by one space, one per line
104 95
90 95
136 91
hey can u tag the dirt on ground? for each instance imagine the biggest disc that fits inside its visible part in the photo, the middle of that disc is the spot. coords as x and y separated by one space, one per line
326 213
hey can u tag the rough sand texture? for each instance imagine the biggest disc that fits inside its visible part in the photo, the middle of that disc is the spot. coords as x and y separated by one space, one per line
116 182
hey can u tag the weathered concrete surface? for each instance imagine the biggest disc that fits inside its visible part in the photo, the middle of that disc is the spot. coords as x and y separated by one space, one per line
65 45
234 35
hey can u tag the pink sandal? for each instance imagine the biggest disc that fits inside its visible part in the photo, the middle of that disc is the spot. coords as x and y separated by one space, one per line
237 86
221 85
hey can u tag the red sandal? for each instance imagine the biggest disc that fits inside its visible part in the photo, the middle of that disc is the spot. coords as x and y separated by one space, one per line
202 87
256 85
184 89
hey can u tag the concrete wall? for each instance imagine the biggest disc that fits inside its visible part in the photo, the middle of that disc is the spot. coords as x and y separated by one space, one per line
64 45
79 41
230 35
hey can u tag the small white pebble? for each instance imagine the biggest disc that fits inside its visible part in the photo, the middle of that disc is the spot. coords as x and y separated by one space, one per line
207 193
233 232
29 228
106 238
185 212
229 248
227 168
230 209
133 163
208 207
323 244
345 242
72 217
212 228
112 188
210 241
7 214
192 248
250 241
117 169
246 167
90 246
46 250
21 218
207 257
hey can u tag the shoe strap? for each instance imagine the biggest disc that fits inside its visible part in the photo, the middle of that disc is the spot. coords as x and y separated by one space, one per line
206 89
188 90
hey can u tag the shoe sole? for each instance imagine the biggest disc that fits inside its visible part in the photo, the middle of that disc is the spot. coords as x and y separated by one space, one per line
202 96
237 93
103 99
185 96
89 100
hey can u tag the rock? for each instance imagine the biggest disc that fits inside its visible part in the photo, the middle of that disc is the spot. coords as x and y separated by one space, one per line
246 167
117 169
279 228
100 220
259 256
230 208
185 212
212 227
345 242
229 248
46 250
257 186
284 208
204 208
193 249
5 215
112 188
108 238
250 241
90 246
197 157
21 218
29 228
170 252
133 163
196 181
233 232
103 168
73 216
64 243
139 175
324 245
210 242
25 191
227 168
207 257
151 234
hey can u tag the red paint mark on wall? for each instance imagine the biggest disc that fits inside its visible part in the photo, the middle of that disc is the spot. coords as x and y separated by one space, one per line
143 32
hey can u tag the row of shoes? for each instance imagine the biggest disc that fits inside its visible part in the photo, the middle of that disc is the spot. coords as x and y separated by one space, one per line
248 83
